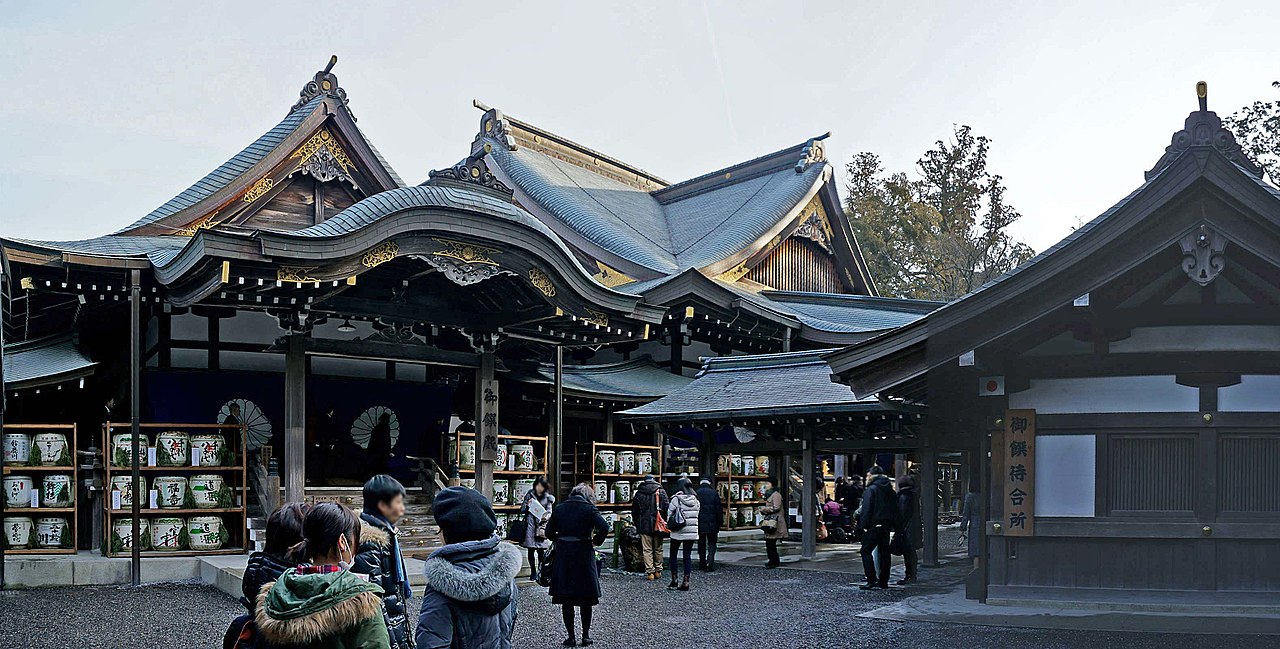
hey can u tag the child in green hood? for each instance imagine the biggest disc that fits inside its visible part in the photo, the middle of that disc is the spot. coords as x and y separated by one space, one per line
322 604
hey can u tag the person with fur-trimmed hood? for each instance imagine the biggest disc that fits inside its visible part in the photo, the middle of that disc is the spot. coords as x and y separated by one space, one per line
379 554
471 597
321 604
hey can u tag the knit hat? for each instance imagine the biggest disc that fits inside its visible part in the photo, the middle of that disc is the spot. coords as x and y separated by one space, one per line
704 481
463 514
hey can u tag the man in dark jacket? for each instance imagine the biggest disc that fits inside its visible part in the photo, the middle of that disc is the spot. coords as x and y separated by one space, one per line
646 502
909 510
708 525
471 594
880 517
379 554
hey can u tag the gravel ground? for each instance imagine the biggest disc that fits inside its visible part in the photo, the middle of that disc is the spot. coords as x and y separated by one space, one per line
738 606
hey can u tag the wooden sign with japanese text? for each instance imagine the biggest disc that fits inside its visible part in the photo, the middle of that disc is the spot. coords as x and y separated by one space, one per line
1018 466
487 422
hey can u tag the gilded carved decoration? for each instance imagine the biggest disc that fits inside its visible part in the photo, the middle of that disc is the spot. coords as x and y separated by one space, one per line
324 83
610 277
259 189
598 318
380 254
464 273
295 274
542 282
472 170
200 224
734 274
1202 258
466 253
815 227
323 158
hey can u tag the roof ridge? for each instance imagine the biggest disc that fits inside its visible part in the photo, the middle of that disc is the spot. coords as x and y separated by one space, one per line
811 150
899 303
499 130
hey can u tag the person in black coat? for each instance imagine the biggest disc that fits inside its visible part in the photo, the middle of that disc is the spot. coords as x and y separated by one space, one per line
576 527
708 525
880 517
284 530
379 557
646 502
909 511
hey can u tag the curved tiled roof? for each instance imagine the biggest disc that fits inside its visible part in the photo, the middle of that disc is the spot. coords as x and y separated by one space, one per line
850 313
228 171
636 379
111 245
688 225
47 360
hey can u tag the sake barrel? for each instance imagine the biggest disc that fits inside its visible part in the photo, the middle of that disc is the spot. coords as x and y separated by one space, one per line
622 491
602 491
501 492
56 491
18 532
762 465
173 448
122 449
205 533
731 518
748 491
735 464
520 488
723 464
500 458
524 457
205 490
747 517
606 461
17 491
762 489
171 491
17 448
124 484
122 528
748 465
627 517
210 448
724 491
53 449
610 518
166 533
469 483
501 529
49 532
735 490
627 462
644 462
467 454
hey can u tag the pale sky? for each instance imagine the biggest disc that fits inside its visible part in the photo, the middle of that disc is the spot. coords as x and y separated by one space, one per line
109 111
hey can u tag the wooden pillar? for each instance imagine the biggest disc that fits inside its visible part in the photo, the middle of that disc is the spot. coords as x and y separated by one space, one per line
786 339
555 454
295 419
608 424
808 497
929 497
135 421
487 428
709 456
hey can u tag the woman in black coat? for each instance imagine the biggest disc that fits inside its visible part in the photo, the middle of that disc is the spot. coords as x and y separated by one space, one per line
907 505
577 528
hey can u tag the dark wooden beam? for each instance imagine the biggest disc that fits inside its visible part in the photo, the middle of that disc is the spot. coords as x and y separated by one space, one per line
387 351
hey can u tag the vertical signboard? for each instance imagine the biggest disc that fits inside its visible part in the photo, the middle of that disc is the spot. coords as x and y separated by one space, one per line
1018 459
488 429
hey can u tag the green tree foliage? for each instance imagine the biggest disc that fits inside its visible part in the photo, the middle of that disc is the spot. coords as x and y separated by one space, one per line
1257 129
941 234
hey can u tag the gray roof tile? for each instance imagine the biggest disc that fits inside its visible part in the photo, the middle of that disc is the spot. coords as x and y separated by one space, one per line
40 361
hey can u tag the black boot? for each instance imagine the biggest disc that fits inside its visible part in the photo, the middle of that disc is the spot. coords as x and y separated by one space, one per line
570 642
673 585
586 640
684 585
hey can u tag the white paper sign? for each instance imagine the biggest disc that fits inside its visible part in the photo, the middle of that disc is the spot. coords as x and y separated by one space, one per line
195 456
155 498
115 499
151 456
35 498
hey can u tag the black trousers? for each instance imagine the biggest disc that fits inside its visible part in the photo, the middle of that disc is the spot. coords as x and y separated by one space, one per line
771 549
707 549
876 537
912 559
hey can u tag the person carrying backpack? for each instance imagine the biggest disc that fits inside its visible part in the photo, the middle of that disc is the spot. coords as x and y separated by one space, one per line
284 530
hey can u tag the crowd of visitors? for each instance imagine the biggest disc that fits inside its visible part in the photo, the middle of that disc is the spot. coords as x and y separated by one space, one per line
328 577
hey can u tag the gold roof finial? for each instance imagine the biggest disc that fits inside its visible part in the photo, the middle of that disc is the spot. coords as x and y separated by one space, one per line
1202 91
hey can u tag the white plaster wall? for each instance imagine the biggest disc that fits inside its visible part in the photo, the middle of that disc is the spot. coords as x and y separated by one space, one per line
1107 394
1065 475
1254 393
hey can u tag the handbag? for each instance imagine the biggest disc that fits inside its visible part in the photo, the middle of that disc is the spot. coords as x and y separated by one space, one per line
518 530
659 523
677 521
898 545
544 572
769 525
